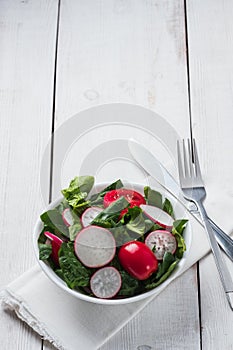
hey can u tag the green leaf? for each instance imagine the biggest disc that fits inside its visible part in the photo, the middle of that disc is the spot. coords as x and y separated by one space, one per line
179 225
97 198
73 272
121 235
45 250
75 229
163 277
168 208
168 259
137 222
77 185
53 219
153 197
77 193
181 247
112 212
129 284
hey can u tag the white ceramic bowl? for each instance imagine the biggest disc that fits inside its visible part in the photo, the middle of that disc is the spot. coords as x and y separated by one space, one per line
180 213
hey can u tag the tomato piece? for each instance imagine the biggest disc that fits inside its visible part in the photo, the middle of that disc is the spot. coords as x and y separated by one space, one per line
138 260
133 197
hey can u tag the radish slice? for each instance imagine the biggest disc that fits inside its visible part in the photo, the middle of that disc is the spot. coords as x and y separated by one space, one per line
67 217
89 215
160 242
158 216
56 243
106 282
95 246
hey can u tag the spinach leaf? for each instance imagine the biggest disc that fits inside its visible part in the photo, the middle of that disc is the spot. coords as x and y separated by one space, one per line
129 284
168 259
112 212
153 197
177 230
53 220
136 223
45 250
168 208
121 235
163 277
97 198
74 273
179 225
75 229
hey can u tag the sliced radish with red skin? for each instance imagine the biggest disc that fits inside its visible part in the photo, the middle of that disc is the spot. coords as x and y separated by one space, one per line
158 216
106 282
67 217
89 215
160 241
95 246
56 243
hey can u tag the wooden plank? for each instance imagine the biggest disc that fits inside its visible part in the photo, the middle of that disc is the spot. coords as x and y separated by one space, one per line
27 41
210 31
134 52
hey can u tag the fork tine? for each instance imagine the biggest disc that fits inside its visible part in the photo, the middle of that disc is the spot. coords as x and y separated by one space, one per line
180 165
190 158
196 161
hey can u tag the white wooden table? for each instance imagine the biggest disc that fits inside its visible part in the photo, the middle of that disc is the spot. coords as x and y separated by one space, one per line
58 57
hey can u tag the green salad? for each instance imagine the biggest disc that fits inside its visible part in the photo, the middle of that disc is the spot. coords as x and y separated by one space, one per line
116 243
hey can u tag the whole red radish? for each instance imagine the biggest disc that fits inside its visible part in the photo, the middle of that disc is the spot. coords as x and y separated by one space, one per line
56 243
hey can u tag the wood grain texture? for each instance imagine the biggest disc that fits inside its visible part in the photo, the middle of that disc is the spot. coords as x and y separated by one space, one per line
27 38
134 52
211 52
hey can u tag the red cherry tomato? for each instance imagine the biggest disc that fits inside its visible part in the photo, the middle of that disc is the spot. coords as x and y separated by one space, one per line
133 197
138 260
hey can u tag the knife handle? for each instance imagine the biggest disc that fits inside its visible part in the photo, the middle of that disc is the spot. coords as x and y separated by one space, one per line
225 241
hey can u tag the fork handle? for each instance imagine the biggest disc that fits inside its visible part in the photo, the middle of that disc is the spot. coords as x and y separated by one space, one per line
220 263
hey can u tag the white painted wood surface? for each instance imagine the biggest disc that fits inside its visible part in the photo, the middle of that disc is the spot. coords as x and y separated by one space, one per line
211 54
27 40
117 51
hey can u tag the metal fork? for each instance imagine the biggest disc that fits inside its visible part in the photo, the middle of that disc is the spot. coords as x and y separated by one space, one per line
193 190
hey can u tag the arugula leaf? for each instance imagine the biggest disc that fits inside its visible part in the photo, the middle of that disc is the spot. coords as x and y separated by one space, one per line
53 220
45 250
168 208
97 198
153 197
74 273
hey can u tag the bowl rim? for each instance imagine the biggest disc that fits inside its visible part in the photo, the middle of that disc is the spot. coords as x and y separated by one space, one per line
60 283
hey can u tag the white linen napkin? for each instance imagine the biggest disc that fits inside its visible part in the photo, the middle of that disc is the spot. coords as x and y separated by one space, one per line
69 323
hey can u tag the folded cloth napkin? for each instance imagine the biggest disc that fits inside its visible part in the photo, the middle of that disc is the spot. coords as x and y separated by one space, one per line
69 323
